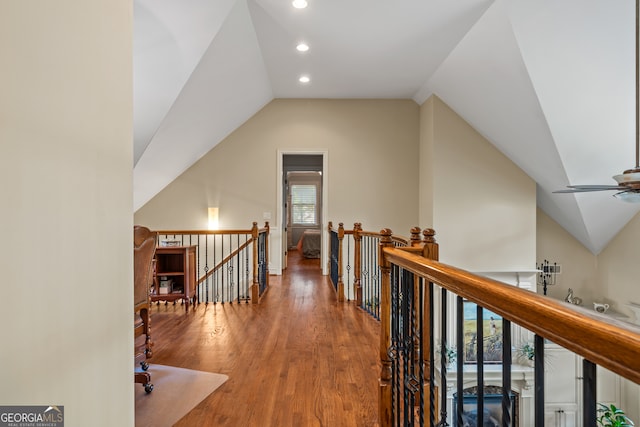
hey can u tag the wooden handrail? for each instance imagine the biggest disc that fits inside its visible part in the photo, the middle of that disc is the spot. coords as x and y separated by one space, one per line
194 232
612 344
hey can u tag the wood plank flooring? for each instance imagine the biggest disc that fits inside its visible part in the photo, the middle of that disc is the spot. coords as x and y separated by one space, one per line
299 358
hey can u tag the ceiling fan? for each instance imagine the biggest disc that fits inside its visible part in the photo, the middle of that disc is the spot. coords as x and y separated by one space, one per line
629 181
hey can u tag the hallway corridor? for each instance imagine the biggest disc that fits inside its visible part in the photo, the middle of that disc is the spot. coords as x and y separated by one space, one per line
296 359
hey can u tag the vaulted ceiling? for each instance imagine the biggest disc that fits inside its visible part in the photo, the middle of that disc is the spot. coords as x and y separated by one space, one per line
550 83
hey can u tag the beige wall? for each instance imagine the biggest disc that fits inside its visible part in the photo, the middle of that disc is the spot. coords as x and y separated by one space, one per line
372 149
480 199
66 150
578 265
426 150
618 281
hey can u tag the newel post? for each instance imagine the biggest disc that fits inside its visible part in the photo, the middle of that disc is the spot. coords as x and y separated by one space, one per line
357 262
384 396
340 282
255 287
430 250
416 236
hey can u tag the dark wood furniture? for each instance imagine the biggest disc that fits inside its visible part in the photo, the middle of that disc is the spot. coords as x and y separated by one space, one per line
175 274
144 246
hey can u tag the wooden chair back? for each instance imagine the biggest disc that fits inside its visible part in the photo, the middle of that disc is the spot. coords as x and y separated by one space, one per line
144 249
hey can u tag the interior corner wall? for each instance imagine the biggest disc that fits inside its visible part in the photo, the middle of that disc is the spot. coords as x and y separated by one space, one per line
67 159
372 148
578 265
484 206
617 269
425 197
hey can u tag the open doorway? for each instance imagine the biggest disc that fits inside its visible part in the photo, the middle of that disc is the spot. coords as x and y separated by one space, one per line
302 206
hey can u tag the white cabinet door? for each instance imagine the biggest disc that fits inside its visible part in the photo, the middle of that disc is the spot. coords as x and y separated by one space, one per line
560 418
608 386
562 389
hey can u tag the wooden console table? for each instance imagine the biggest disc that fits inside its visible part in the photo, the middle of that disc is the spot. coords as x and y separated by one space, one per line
175 274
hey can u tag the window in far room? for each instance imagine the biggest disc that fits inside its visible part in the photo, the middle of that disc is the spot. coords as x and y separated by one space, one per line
303 204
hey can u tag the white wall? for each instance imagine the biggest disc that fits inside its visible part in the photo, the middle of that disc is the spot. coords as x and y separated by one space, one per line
66 150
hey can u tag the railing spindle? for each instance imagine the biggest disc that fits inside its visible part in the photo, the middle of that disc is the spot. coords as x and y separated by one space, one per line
589 387
506 373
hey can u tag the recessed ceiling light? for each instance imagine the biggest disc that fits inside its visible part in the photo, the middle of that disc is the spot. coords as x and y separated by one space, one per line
299 4
302 47
304 79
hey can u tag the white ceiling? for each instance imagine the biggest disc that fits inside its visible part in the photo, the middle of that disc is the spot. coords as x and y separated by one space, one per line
549 82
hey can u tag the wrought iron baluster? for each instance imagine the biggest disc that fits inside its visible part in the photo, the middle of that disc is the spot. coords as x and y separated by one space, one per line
506 373
394 350
443 363
480 363
367 299
348 268
589 387
421 336
206 265
538 360
459 359
432 396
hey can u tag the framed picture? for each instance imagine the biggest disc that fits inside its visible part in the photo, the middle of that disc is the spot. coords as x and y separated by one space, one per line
491 331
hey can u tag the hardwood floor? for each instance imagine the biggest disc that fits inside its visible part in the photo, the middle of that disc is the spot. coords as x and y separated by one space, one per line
296 359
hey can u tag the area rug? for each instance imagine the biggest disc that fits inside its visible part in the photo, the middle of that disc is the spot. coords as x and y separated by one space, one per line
176 391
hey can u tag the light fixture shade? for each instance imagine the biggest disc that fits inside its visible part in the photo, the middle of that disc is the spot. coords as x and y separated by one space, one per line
299 4
629 196
213 218
627 177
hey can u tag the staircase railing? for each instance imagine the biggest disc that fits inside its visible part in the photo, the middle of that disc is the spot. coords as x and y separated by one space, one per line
232 265
354 266
415 314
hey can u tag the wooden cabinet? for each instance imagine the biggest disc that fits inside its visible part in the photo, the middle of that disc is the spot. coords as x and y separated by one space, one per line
175 274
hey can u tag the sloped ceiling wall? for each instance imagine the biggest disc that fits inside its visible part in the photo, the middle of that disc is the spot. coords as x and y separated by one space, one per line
550 84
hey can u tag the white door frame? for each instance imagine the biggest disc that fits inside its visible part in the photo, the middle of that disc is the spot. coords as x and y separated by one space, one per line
278 243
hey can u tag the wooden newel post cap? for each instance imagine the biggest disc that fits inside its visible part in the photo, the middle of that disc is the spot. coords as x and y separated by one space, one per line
429 235
415 235
385 235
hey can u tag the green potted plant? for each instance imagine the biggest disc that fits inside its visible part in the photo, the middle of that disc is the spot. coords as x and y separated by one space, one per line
450 354
525 354
612 416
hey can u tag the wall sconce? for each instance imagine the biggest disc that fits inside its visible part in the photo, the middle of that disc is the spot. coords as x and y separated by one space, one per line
213 218
547 274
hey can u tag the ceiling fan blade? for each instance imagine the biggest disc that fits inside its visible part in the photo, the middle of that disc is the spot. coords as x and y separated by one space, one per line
588 188
597 187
